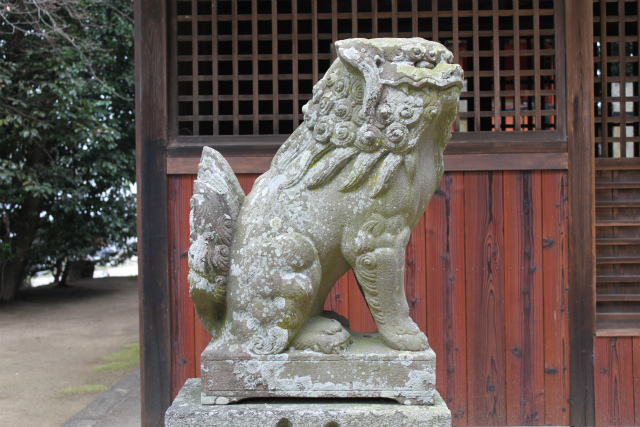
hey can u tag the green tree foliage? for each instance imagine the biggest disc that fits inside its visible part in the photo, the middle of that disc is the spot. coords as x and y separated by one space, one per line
66 135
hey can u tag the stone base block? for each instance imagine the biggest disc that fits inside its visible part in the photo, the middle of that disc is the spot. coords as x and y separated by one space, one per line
187 411
367 369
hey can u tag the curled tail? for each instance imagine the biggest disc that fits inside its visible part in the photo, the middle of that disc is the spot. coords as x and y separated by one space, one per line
215 205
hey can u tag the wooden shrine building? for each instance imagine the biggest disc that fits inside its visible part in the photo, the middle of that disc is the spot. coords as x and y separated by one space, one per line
525 270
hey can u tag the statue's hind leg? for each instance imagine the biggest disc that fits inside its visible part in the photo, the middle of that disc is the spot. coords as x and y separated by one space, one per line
285 287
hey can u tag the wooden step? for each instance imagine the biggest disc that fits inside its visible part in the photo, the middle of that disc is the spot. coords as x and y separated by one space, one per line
617 185
613 278
617 241
617 223
618 298
617 259
617 203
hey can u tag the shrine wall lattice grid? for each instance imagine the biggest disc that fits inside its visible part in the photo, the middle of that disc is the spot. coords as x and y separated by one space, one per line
247 67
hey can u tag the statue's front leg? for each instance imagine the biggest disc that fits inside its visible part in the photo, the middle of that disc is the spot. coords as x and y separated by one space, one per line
380 274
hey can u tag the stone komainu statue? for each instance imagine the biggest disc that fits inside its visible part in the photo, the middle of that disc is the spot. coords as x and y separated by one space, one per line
344 191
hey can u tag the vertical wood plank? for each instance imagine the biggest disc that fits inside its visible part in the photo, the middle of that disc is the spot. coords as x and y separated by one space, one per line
614 381
556 320
523 294
636 378
415 275
581 266
359 315
484 277
446 308
246 181
151 47
182 311
338 298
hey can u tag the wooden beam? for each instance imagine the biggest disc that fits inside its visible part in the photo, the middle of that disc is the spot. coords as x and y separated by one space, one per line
188 165
580 140
151 141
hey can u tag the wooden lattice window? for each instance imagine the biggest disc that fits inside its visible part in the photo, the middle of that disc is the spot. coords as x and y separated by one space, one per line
617 145
616 73
246 67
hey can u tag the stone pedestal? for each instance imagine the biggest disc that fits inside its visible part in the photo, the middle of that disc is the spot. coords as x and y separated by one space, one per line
367 369
369 384
188 411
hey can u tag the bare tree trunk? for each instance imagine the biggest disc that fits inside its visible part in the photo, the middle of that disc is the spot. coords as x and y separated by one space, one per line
21 233
13 273
14 270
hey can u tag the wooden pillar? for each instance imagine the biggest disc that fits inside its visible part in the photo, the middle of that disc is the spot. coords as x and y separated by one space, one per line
151 141
580 140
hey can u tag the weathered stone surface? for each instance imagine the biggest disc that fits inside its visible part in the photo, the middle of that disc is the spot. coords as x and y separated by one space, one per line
187 411
366 369
343 192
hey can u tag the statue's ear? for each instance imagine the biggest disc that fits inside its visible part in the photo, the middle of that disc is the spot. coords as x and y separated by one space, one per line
364 57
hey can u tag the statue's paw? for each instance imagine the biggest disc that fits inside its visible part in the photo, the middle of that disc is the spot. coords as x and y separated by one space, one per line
404 335
323 335
270 340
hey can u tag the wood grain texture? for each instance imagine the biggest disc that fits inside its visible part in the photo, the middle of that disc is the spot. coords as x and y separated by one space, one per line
184 160
358 313
151 108
580 137
446 304
636 378
484 259
338 298
554 273
414 275
524 293
614 382
183 348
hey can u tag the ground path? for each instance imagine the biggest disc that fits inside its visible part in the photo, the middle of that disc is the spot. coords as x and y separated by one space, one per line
61 347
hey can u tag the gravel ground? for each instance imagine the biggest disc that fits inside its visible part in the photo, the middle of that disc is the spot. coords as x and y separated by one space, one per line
61 347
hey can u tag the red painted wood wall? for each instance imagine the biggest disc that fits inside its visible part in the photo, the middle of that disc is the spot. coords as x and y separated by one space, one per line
617 381
486 280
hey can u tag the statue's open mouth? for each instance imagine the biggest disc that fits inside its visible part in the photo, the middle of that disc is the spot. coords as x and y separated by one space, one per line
442 76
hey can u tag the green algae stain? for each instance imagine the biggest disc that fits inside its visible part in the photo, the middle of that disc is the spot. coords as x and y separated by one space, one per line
88 388
127 357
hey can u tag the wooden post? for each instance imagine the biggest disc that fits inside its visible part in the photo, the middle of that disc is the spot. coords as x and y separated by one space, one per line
151 142
580 140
